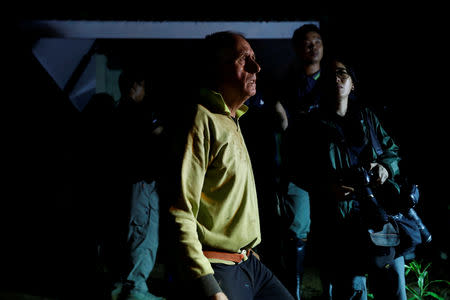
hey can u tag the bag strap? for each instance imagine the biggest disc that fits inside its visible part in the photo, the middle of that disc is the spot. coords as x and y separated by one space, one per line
373 136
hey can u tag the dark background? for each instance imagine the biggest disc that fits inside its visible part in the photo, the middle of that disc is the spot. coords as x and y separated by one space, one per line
399 54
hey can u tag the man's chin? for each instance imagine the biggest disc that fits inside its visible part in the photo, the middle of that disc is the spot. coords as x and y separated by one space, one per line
252 92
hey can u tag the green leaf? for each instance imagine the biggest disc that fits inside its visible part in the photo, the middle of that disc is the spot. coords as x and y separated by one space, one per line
434 295
407 270
420 283
413 292
440 280
427 266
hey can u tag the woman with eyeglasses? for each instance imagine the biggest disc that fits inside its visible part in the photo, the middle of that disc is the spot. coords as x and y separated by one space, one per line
344 140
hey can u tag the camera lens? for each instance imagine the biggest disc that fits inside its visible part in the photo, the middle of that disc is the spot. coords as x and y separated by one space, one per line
424 233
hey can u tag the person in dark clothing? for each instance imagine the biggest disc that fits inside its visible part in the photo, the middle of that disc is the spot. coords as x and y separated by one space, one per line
139 130
340 145
301 92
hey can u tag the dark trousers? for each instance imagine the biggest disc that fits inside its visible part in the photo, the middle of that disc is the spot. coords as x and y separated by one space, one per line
250 279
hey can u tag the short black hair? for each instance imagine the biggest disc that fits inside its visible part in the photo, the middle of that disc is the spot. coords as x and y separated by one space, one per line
300 33
128 77
349 66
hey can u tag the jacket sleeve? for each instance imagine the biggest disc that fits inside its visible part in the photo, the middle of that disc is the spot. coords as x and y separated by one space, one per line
390 157
184 211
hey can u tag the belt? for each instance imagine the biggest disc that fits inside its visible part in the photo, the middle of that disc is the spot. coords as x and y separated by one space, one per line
235 257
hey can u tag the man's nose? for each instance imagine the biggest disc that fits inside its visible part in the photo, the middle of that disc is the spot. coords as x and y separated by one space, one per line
254 66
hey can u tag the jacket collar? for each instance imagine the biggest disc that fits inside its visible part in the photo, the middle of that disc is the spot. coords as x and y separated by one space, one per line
214 101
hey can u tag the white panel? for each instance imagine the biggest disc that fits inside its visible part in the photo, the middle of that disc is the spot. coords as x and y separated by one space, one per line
160 30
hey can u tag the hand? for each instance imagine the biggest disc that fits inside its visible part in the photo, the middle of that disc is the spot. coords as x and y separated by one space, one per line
158 130
380 172
219 296
281 113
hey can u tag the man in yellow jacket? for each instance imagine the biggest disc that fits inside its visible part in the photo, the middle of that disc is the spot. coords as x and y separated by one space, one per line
215 217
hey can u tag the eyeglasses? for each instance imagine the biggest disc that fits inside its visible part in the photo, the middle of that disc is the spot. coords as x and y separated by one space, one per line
342 74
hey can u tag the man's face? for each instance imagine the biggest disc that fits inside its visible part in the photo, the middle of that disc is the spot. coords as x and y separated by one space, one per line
240 74
139 91
311 49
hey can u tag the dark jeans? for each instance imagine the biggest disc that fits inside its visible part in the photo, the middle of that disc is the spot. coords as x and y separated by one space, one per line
250 279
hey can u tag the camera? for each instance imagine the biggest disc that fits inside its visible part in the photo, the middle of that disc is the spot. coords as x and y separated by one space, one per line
412 194
409 194
377 216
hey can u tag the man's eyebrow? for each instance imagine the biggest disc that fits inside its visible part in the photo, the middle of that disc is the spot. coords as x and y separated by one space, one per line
247 52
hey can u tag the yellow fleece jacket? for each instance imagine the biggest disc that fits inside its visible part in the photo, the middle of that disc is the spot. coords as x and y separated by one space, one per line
217 208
